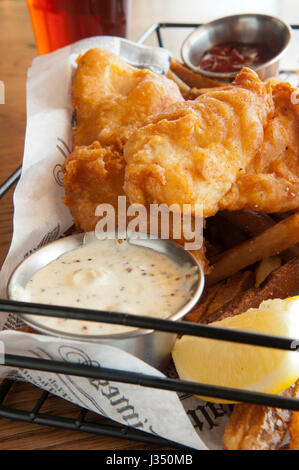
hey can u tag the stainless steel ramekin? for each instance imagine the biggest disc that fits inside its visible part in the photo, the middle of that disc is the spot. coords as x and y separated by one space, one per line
151 346
245 28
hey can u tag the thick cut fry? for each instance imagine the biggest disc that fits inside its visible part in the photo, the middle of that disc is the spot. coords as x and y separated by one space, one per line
194 80
282 283
294 426
231 288
294 431
255 427
266 267
200 310
269 243
183 87
226 234
221 294
254 223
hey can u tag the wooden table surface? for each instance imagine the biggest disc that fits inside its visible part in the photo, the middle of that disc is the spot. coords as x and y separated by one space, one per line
17 49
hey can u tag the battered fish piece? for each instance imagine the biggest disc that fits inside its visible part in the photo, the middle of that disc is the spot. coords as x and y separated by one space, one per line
93 175
111 99
196 151
270 183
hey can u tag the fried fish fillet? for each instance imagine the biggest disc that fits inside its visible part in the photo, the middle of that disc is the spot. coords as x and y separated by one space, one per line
93 175
233 148
270 183
194 152
111 100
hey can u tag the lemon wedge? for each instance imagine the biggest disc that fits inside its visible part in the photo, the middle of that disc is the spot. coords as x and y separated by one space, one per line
243 366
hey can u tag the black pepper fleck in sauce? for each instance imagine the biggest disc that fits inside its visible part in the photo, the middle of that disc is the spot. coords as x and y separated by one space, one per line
112 277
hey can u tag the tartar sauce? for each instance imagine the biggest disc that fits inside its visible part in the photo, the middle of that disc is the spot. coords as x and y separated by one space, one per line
113 276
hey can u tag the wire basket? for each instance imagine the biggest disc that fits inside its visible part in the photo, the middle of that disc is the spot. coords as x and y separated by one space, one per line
79 422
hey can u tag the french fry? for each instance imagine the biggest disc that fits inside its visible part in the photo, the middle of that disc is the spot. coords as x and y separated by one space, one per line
254 223
255 427
281 283
229 234
266 267
294 426
183 87
271 242
229 290
293 251
194 80
222 235
199 311
221 294
294 431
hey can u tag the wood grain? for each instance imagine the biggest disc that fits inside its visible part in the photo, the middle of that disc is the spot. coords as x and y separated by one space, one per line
18 435
17 50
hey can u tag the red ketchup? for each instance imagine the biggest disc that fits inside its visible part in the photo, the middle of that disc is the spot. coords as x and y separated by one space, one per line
232 56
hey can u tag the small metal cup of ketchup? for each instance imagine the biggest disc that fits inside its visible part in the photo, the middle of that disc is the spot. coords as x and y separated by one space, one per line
220 49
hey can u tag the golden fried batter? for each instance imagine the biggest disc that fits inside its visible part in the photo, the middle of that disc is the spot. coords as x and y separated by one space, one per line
111 100
270 183
93 175
229 149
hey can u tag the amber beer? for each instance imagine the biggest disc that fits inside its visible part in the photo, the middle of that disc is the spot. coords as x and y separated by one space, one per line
57 23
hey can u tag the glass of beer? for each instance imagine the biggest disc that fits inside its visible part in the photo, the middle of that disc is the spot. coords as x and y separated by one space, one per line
57 23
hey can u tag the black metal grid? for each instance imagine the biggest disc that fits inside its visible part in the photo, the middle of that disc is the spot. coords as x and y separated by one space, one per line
79 423
181 327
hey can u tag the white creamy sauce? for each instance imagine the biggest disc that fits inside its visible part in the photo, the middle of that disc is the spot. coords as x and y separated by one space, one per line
113 276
